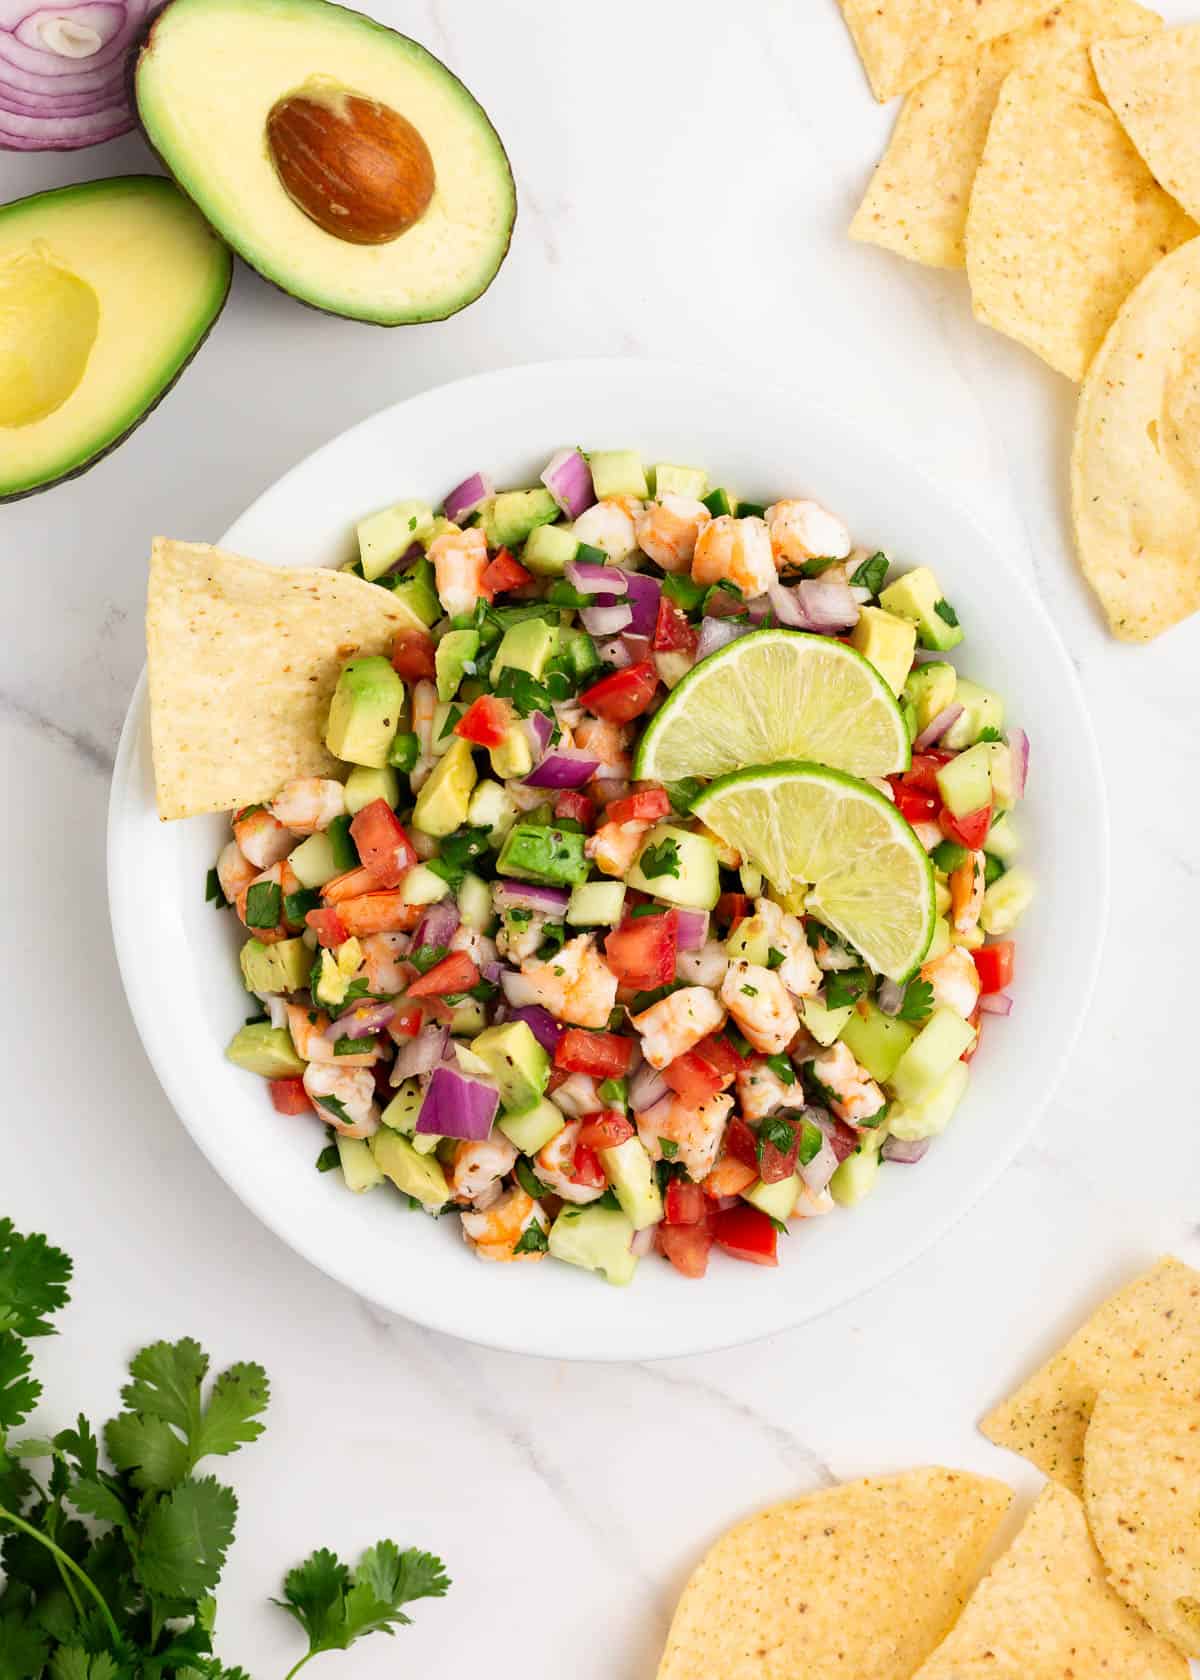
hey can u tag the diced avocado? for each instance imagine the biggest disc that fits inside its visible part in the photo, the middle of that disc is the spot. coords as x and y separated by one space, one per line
514 756
281 967
888 642
549 550
329 984
533 1130
917 596
876 1040
416 591
965 783
673 667
445 798
981 709
267 1050
416 1174
552 855
517 1062
1006 901
526 646
474 903
855 1178
596 1238
618 472
509 517
401 1115
468 1018
579 651
455 651
691 482
364 713
778 1200
596 904
313 861
494 808
630 1174
931 688
387 536
928 1114
1003 841
941 941
364 787
931 1055
422 885
1000 768
359 1167
349 956
688 863
824 1024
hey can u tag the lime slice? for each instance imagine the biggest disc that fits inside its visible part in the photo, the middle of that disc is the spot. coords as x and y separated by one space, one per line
776 695
868 874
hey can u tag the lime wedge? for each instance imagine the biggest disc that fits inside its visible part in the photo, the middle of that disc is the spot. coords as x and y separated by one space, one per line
868 875
776 695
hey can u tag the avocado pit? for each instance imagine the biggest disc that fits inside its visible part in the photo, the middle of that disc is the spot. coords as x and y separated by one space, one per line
49 318
352 164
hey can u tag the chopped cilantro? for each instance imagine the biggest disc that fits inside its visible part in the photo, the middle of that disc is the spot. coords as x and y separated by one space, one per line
778 1132
845 986
779 1225
876 1119
644 1000
683 794
452 717
425 956
750 991
212 890
297 905
533 1240
264 904
346 1046
811 1140
328 1159
775 959
782 1069
917 1003
526 693
518 916
739 1041
336 1107
871 573
640 910
669 1148
554 937
989 733
946 612
662 859
529 1180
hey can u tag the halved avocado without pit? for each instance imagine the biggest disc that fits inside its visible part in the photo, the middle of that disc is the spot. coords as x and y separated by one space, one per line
107 290
338 158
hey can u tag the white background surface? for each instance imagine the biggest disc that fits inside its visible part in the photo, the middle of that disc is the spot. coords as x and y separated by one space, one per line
685 171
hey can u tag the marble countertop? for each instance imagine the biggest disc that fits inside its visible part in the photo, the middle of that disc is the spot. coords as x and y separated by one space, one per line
686 171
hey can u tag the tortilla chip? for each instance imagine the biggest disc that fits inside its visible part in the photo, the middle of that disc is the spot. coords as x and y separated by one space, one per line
902 41
858 1583
917 201
1046 1612
1141 1479
1135 464
1153 85
1146 1339
1065 218
243 658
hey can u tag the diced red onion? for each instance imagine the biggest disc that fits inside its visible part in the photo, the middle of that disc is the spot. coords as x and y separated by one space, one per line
563 767
824 606
463 500
817 1172
518 992
843 1138
861 596
591 577
641 1242
528 895
996 1003
275 1006
644 595
538 728
936 728
438 925
759 609
1018 746
691 929
717 633
491 972
615 653
421 1054
724 605
63 74
413 552
890 997
637 647
458 1106
786 606
607 621
646 1088
569 480
541 1024
907 1153
362 1020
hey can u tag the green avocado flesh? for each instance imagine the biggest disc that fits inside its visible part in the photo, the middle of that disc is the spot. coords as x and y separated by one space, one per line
208 77
106 292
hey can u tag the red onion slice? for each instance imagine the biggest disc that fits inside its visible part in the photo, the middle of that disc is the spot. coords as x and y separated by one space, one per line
996 1003
563 768
786 607
906 1153
362 1020
541 1024
569 480
1018 746
592 578
641 1242
644 595
718 633
457 1106
647 1091
527 895
890 997
691 929
421 1054
438 925
539 728
605 620
63 75
466 497
936 728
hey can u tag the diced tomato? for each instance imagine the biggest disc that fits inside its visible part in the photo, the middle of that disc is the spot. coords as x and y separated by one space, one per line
485 722
384 847
672 632
651 805
605 1131
687 1247
641 952
741 1143
729 1178
379 912
684 1203
406 1022
289 1096
969 831
747 1234
994 965
504 573
413 655
587 1169
623 695
573 806
604 1055
721 1057
455 973
922 772
914 806
732 907
328 927
692 1079
776 1164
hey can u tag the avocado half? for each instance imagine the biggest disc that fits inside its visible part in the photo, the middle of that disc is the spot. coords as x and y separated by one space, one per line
389 148
107 290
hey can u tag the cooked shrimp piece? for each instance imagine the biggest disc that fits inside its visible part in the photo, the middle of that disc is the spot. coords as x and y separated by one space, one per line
696 1130
353 1091
459 559
477 1168
803 531
521 932
234 870
856 1095
262 839
379 912
705 967
677 1022
955 981
967 886
758 1001
668 529
610 525
477 946
735 551
608 742
555 1162
384 961
832 959
577 1096
495 1232
309 1029
785 933
575 984
761 1091
614 846
309 804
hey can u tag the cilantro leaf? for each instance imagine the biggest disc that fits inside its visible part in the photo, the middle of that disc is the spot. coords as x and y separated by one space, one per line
917 1003
871 573
33 1282
335 1607
19 1392
264 904
989 733
775 958
328 1159
166 1429
777 1132
845 986
669 1148
533 1240
185 1538
73 1663
662 859
314 1593
946 612
782 1069
22 1648
335 1106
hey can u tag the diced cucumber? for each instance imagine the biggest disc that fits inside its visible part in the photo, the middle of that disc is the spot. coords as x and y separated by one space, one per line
928 1114
981 710
596 1238
940 943
965 783
855 1178
533 1130
1006 901
932 1053
618 472
682 868
751 877
421 886
1003 841
468 1018
876 1040
630 1173
778 1200
549 550
313 861
494 808
670 480
364 787
475 903
824 1024
359 1167
596 904
673 667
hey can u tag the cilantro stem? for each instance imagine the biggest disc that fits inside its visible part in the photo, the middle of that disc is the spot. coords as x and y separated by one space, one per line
65 1562
307 1657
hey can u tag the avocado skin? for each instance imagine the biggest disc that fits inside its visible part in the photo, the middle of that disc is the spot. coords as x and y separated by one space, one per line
145 45
86 466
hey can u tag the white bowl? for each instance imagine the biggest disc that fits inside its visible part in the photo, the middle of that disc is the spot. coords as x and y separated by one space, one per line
178 957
